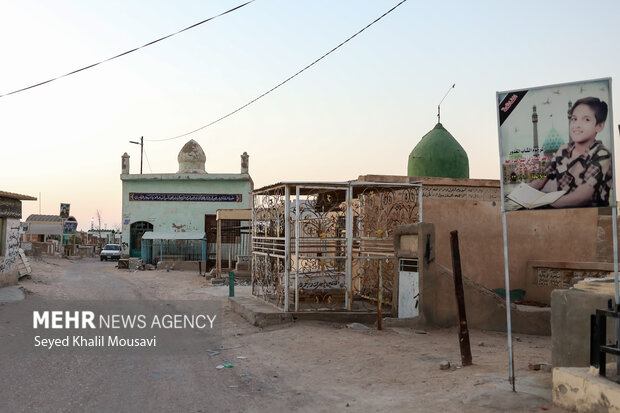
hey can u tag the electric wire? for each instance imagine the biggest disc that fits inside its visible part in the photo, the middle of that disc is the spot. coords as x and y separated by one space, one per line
281 83
147 159
127 52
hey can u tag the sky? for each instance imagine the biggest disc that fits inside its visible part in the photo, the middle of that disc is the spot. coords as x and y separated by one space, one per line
359 111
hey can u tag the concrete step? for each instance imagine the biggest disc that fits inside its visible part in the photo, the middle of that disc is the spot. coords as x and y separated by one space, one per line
261 314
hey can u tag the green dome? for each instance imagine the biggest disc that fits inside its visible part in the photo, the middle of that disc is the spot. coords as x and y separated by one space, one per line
438 154
553 141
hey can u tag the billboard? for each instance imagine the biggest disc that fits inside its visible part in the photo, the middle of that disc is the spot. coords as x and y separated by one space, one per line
556 146
64 210
70 227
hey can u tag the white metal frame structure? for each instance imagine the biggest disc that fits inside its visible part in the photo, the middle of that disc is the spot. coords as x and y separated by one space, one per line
327 246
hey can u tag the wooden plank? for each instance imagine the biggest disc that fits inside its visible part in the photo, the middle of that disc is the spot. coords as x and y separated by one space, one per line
23 266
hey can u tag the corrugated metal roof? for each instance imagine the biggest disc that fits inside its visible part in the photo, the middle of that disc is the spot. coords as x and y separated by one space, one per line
43 218
311 187
17 196
45 228
173 235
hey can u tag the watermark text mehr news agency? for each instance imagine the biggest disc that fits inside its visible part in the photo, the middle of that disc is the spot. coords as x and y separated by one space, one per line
87 320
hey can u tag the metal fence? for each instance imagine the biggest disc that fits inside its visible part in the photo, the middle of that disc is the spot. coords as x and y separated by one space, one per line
155 250
328 246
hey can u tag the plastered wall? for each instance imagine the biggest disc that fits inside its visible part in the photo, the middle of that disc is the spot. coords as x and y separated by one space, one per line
10 252
473 208
167 216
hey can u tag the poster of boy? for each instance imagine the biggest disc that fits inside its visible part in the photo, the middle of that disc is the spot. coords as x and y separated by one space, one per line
64 211
556 146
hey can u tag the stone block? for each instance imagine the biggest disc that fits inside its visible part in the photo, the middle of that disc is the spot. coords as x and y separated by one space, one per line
570 325
584 391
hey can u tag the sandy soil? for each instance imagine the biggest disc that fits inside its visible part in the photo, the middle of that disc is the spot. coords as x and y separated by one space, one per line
325 367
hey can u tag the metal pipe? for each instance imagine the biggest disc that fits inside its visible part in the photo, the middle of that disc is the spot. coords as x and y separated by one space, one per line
380 297
614 215
251 244
511 372
218 248
268 254
287 245
349 262
297 236
388 184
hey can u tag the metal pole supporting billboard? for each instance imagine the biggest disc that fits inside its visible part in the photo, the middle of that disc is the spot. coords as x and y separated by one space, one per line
511 368
614 217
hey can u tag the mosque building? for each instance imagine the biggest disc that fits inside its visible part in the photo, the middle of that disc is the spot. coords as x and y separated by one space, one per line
180 208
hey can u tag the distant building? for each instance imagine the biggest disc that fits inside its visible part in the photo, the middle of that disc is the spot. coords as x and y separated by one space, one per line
103 236
48 233
10 214
180 208
42 228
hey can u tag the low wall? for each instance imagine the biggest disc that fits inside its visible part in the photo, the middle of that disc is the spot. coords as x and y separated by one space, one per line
570 325
42 248
86 250
485 310
580 390
546 276
473 208
181 265
8 278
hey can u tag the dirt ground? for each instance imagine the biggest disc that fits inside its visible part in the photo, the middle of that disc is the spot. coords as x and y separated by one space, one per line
323 366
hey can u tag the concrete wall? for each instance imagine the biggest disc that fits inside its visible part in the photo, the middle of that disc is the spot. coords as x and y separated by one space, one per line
438 307
473 208
10 252
485 310
570 326
578 389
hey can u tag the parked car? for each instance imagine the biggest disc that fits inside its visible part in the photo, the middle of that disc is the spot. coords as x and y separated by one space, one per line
110 251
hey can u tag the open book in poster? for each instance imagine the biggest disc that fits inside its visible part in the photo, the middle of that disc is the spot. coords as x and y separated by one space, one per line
530 198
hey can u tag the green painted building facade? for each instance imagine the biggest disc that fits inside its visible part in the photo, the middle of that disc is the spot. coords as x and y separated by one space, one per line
182 202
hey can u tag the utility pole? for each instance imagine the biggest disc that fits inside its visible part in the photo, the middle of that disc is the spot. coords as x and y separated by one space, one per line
141 143
460 300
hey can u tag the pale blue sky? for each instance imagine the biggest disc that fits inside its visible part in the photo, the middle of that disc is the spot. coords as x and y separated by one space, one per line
359 111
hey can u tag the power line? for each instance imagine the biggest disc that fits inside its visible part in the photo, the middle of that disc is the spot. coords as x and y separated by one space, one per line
281 83
147 161
127 52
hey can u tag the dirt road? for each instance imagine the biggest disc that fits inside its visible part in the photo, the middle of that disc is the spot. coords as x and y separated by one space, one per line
301 367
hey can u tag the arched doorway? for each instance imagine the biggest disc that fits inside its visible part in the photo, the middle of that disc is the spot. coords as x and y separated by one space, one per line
137 229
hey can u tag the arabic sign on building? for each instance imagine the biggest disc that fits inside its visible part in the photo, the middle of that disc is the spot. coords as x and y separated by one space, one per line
140 196
556 146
